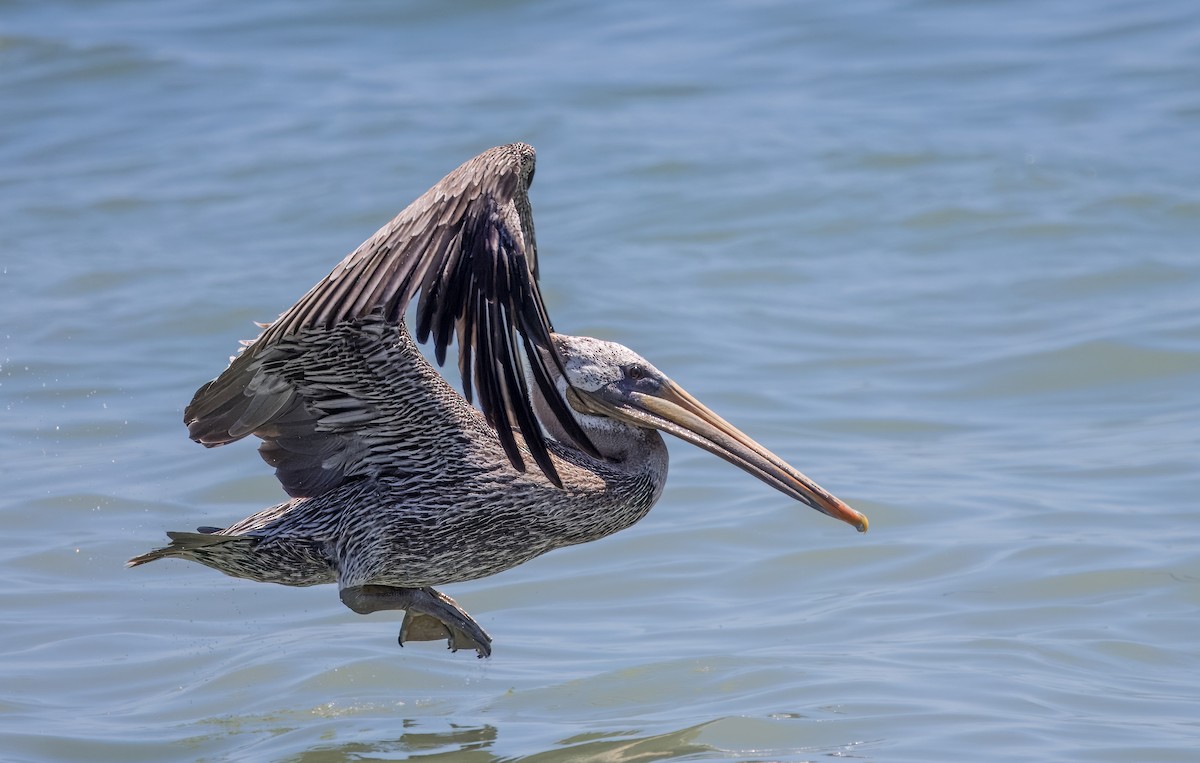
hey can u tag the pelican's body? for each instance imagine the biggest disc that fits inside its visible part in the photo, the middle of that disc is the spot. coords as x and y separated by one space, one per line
469 515
398 482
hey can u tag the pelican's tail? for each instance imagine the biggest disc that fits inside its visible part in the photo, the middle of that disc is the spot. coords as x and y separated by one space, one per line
282 559
187 544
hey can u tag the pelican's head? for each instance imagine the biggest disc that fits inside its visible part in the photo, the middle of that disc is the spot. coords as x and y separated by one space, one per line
607 382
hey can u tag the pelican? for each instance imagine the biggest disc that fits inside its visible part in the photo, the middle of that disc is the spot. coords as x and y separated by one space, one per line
397 482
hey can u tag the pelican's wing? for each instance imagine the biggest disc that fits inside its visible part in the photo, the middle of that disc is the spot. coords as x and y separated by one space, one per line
467 247
332 405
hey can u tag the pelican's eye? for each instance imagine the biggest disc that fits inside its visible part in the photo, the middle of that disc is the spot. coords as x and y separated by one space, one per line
636 373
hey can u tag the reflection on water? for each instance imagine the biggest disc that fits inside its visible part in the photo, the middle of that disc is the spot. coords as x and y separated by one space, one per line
457 743
467 745
475 744
676 744
744 738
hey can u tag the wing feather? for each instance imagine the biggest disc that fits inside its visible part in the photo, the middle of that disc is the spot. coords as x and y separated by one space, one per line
467 249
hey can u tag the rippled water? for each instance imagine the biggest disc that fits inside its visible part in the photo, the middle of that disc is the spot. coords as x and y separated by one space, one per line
941 256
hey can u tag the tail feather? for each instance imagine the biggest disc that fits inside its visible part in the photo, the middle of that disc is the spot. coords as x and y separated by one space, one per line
183 543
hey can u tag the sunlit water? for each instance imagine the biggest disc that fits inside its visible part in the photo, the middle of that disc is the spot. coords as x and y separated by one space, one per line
941 256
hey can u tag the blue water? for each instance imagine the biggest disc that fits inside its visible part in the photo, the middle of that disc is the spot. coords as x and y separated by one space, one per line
940 256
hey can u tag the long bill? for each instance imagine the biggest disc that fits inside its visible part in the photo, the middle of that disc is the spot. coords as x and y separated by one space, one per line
675 411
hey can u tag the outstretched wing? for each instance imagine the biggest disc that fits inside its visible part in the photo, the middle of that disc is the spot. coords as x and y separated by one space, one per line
331 405
467 248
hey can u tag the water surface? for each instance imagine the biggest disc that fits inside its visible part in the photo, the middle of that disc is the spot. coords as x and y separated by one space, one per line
940 256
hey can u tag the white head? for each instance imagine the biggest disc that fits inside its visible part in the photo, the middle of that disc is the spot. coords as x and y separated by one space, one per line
596 367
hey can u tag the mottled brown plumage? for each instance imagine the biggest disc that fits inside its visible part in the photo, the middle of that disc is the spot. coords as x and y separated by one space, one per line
398 483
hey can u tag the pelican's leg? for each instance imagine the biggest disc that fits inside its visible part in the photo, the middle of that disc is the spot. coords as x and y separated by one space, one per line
428 615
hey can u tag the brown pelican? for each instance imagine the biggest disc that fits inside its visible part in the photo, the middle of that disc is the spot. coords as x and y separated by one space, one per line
397 482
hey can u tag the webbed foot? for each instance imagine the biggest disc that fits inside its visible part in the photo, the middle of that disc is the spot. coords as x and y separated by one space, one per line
428 615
